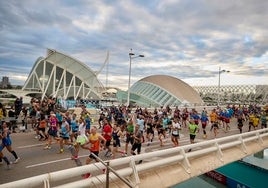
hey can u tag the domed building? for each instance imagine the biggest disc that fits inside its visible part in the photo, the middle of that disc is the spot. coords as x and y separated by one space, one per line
161 90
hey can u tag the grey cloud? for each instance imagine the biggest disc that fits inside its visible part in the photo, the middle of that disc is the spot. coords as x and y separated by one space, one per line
196 33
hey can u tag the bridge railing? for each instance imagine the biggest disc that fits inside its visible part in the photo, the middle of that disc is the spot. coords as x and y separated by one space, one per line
128 166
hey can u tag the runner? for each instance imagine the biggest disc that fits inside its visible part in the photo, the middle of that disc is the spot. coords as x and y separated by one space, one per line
64 134
213 117
129 134
7 143
175 132
240 120
74 128
137 141
94 141
52 131
82 139
149 130
160 131
204 122
107 134
116 134
193 129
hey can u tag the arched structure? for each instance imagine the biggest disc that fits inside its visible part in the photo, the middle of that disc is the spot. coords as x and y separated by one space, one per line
161 90
61 75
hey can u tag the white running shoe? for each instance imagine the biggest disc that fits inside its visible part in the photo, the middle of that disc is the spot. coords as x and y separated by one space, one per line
16 161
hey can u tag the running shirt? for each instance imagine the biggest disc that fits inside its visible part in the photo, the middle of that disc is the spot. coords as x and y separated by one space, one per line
107 132
204 120
82 129
53 122
130 129
176 127
263 120
59 117
74 125
213 116
115 136
6 140
140 122
193 128
64 130
165 123
149 127
138 136
255 121
95 142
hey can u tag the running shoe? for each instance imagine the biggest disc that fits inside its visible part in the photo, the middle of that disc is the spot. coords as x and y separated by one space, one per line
60 151
1 162
47 147
74 157
107 152
109 155
124 155
87 175
9 165
16 161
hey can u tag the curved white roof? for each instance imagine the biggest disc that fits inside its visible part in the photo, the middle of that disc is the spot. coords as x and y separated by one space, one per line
163 90
61 75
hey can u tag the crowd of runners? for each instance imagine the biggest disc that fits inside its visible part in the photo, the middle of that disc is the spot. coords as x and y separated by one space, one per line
135 127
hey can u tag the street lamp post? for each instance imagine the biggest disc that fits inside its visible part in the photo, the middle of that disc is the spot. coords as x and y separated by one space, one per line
219 84
131 56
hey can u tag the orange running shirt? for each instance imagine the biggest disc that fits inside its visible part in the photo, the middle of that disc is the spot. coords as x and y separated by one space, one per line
95 142
213 116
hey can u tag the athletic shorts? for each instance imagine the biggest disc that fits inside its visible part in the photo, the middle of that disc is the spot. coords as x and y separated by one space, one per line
116 143
92 156
192 137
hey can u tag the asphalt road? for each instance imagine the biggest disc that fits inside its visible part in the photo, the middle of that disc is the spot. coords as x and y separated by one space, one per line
34 160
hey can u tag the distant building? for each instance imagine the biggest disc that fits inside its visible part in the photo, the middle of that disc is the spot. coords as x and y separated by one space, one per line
234 93
5 82
161 90
60 75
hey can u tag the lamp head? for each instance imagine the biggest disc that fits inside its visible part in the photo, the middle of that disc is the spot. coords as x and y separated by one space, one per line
141 55
131 54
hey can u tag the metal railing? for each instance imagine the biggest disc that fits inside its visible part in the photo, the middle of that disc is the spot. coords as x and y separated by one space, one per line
127 166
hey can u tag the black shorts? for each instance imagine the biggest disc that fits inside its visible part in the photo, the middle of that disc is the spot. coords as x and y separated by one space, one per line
42 129
129 139
92 156
136 146
192 137
149 131
108 143
215 126
116 143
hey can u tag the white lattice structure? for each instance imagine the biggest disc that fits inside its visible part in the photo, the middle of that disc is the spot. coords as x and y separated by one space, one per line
247 93
61 75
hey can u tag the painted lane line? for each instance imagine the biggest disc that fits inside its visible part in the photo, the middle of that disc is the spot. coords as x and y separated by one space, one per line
50 162
33 145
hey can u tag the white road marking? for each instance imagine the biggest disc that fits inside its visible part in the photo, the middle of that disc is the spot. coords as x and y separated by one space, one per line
50 162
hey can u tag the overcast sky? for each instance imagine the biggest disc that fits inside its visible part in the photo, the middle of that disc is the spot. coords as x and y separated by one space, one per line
187 39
